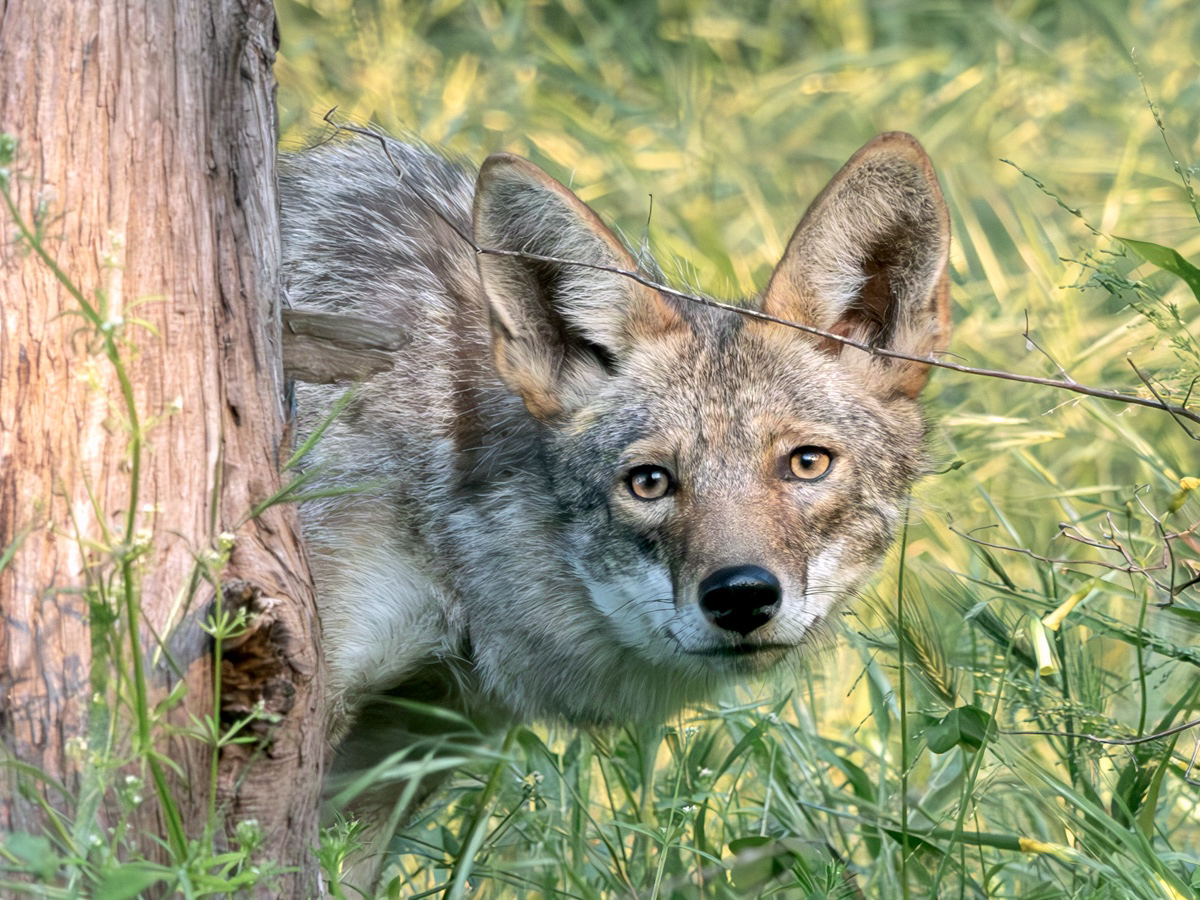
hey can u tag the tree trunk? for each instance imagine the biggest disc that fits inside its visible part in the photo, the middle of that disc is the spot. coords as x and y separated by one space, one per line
145 162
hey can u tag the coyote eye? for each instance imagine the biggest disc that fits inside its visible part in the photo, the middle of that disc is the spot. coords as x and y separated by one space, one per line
649 482
810 463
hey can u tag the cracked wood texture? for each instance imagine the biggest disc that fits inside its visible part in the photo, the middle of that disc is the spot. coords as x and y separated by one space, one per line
146 154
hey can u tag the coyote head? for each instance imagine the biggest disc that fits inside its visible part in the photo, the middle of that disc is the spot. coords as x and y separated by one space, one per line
722 482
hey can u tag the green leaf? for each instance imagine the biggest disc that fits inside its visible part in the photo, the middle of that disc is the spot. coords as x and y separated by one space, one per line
760 858
968 726
737 845
130 880
34 854
913 840
1167 259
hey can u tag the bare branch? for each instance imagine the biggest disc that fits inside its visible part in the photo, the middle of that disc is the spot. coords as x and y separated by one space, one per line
1122 742
1150 387
1126 742
1179 412
323 348
1130 568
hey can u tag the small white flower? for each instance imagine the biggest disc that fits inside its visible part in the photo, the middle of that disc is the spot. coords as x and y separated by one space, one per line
76 747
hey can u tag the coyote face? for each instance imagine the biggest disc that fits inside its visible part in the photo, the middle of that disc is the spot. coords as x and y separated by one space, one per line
748 487
579 495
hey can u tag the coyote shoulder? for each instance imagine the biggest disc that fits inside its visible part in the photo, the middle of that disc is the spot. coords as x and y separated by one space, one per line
575 496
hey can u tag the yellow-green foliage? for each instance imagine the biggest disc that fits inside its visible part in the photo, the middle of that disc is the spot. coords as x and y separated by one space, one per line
730 115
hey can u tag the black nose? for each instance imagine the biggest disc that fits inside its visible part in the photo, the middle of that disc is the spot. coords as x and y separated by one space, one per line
740 598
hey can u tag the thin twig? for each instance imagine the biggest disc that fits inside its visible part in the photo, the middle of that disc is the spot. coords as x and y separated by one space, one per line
1150 387
1129 567
1168 552
1122 742
1126 742
1111 544
1054 362
1067 385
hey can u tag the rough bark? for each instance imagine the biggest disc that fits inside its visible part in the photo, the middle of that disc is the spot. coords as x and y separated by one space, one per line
146 151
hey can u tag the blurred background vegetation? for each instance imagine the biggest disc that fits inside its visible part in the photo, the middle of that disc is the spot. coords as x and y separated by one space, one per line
856 776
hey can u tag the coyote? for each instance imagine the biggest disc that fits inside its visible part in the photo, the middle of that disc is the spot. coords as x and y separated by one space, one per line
575 495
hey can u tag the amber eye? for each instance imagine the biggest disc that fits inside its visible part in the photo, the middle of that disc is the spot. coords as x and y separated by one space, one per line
649 482
810 463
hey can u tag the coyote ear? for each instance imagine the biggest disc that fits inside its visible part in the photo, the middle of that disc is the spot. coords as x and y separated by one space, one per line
868 261
557 329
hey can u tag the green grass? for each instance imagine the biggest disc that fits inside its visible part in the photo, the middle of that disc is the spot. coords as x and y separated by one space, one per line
899 763
731 117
